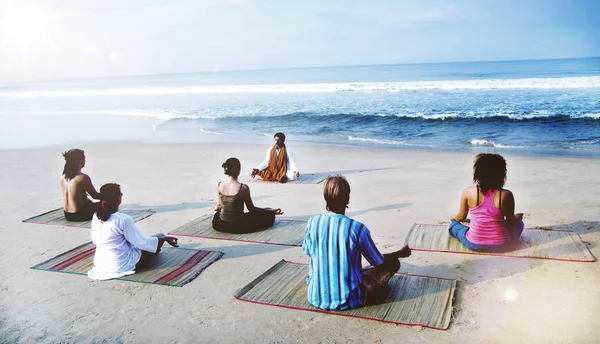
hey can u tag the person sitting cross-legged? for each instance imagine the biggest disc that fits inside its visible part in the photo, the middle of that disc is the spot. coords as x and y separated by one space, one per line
279 165
75 186
335 243
229 213
121 248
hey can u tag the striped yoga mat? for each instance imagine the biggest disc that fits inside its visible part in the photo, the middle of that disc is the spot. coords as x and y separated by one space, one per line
56 217
534 243
408 300
283 232
311 178
172 266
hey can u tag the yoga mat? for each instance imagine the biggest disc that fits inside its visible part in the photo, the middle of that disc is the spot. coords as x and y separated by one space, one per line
283 232
310 178
56 217
408 299
172 266
534 243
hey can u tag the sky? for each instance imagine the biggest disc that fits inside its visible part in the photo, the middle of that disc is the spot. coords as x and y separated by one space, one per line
55 39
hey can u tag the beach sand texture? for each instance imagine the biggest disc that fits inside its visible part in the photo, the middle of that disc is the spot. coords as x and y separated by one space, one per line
498 299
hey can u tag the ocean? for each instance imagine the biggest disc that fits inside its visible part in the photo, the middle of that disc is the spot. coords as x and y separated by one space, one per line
549 107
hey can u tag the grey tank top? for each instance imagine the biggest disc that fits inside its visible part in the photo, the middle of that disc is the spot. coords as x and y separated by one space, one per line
232 206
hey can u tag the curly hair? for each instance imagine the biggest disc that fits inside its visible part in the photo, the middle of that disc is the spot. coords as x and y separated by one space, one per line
489 171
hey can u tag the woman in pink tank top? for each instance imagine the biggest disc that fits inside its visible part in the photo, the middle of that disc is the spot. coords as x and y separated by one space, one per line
494 224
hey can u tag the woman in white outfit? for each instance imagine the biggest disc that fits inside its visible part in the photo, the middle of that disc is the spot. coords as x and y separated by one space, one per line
120 246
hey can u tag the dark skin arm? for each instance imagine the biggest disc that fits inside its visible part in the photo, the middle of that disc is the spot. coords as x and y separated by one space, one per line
89 187
464 206
508 207
166 239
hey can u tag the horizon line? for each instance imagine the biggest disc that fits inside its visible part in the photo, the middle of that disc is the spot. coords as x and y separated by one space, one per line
286 68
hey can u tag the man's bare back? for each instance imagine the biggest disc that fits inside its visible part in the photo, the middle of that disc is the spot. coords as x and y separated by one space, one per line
75 192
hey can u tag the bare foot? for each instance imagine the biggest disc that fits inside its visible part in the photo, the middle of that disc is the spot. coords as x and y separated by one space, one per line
403 252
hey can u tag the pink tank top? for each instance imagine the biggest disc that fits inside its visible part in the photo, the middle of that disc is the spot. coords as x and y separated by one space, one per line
487 223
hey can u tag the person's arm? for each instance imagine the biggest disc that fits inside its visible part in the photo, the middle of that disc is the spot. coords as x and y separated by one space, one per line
245 193
306 244
136 238
89 187
508 207
265 162
368 248
464 207
218 206
292 164
166 239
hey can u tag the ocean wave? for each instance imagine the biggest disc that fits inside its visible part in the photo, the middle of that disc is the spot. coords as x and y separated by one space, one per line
351 117
488 143
448 85
381 141
211 132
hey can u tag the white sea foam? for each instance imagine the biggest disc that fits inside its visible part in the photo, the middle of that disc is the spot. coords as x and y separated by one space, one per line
591 115
526 83
488 143
211 132
381 141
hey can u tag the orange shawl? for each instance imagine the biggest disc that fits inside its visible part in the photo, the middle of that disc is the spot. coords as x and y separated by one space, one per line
277 165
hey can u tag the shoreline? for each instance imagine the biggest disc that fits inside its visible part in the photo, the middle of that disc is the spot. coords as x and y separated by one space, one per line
209 138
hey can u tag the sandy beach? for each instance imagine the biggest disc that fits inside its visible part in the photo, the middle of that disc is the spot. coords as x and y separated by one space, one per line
499 299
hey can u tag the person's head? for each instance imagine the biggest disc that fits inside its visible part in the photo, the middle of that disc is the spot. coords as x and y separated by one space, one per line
232 167
489 171
336 192
279 139
111 197
74 162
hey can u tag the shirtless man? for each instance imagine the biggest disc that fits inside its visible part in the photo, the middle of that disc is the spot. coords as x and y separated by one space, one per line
75 188
277 167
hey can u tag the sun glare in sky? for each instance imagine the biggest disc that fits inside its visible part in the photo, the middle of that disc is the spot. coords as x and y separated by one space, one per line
23 28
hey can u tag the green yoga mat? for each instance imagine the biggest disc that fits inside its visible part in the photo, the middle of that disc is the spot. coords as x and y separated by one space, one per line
172 266
283 232
56 217
534 243
407 300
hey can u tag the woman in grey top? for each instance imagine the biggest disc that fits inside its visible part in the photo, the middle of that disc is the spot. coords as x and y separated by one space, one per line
230 216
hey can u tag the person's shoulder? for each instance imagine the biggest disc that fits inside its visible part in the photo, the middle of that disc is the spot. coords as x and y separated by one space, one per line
96 221
357 227
120 217
507 193
244 189
314 220
470 188
81 178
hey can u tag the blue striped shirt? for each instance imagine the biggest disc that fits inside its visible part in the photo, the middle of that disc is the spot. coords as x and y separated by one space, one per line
335 244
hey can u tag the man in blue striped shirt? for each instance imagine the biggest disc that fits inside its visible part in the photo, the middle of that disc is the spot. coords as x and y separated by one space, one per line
335 243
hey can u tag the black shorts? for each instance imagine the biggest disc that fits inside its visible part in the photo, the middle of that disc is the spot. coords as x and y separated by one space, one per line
85 214
253 221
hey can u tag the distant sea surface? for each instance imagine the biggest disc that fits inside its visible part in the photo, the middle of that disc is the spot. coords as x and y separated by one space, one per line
534 107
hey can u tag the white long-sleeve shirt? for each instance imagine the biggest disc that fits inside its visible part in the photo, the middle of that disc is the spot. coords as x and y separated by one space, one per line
291 165
119 245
